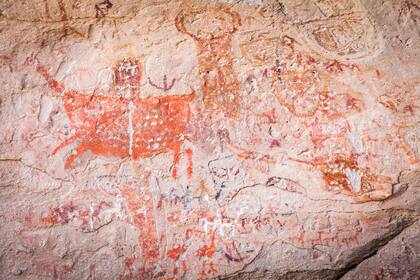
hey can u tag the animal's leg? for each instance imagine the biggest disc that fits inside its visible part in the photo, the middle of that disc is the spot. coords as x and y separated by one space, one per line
190 164
65 143
78 152
175 162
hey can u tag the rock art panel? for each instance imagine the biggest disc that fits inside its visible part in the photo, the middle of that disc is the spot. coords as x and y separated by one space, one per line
200 140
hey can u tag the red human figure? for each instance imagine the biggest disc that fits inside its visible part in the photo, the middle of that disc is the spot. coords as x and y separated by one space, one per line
212 28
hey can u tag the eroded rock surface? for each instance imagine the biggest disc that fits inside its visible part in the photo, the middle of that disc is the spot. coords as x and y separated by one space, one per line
399 259
209 139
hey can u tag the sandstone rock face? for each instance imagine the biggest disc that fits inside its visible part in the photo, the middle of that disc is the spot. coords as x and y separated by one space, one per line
397 260
165 139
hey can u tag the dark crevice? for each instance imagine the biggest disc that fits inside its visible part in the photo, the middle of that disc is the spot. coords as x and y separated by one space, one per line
369 250
376 247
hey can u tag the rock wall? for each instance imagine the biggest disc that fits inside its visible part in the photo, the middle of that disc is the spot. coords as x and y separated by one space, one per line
166 139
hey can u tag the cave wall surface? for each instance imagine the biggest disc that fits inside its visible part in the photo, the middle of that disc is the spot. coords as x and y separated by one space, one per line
174 139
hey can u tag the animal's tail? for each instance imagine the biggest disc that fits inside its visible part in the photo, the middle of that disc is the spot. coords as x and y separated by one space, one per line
189 97
55 85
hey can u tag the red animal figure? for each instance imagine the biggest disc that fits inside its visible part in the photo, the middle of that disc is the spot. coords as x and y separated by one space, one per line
342 174
125 125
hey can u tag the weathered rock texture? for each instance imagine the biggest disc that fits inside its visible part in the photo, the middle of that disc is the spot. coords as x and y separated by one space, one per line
397 260
209 139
